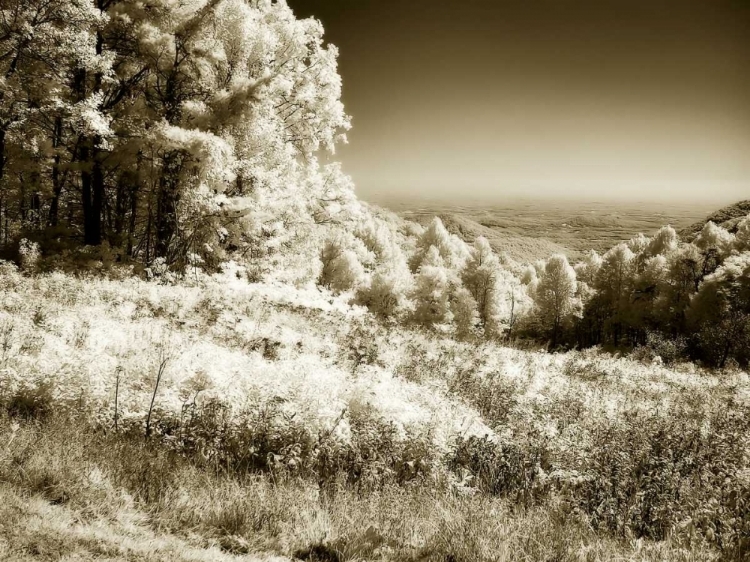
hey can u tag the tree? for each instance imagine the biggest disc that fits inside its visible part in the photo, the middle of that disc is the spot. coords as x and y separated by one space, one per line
716 243
169 128
45 46
720 312
341 269
432 290
377 238
500 297
480 277
512 304
452 250
742 236
664 242
639 243
386 292
613 284
529 276
588 268
646 311
464 310
684 273
554 296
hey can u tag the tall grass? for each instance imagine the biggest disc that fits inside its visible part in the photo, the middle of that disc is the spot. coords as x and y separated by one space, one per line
116 481
272 428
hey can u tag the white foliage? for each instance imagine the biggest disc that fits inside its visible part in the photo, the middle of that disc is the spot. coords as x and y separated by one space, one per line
715 237
555 293
742 236
451 248
663 242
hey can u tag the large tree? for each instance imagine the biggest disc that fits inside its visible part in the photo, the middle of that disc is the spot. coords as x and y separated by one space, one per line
555 296
720 312
170 129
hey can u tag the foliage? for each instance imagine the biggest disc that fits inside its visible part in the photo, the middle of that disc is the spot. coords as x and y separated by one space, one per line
329 419
186 133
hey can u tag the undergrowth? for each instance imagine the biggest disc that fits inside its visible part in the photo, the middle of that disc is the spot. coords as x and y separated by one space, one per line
259 425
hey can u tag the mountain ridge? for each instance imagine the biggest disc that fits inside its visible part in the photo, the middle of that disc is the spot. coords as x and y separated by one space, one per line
727 217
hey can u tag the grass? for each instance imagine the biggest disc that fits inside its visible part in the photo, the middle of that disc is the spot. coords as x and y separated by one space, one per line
71 491
268 435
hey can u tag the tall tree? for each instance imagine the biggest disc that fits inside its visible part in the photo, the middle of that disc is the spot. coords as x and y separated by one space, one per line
44 44
720 312
555 296
614 285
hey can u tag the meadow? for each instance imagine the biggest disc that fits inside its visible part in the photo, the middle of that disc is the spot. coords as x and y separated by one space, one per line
143 420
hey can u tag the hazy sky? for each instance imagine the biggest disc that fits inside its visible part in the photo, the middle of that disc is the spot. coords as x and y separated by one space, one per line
574 98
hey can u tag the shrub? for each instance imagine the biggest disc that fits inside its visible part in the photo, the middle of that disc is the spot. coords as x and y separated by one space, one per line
505 469
28 254
668 350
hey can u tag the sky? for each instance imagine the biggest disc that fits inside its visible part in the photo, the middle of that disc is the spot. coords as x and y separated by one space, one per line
590 99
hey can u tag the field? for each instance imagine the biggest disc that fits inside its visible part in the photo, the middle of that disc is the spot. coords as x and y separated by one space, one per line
143 421
528 230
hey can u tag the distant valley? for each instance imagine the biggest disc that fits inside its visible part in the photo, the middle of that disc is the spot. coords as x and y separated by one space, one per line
528 230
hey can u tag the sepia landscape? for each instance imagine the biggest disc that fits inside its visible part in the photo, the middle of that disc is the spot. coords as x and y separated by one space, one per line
504 317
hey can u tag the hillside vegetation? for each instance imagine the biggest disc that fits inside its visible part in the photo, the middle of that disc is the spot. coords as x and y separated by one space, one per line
727 217
516 247
147 419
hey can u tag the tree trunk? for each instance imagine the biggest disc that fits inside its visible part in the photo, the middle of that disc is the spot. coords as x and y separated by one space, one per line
725 353
148 230
92 176
2 188
134 205
120 207
2 157
97 188
54 206
166 206
84 157
97 175
555 328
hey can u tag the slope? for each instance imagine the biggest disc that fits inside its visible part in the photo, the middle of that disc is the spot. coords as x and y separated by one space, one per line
285 420
727 217
519 248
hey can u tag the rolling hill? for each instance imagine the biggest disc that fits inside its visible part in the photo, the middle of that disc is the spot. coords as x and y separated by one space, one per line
727 217
518 247
530 230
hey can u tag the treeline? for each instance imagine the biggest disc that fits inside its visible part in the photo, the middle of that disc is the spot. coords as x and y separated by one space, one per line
164 129
677 299
685 299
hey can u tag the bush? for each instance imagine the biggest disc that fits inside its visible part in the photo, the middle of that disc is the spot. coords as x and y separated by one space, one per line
503 469
659 348
30 402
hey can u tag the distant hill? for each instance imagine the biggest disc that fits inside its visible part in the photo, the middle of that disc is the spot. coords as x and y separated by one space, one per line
519 248
727 217
528 230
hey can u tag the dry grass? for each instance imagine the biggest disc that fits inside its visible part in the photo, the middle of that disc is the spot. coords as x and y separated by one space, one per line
73 493
592 458
33 528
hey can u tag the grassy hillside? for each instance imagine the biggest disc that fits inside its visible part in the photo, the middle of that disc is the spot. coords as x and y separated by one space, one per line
217 419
